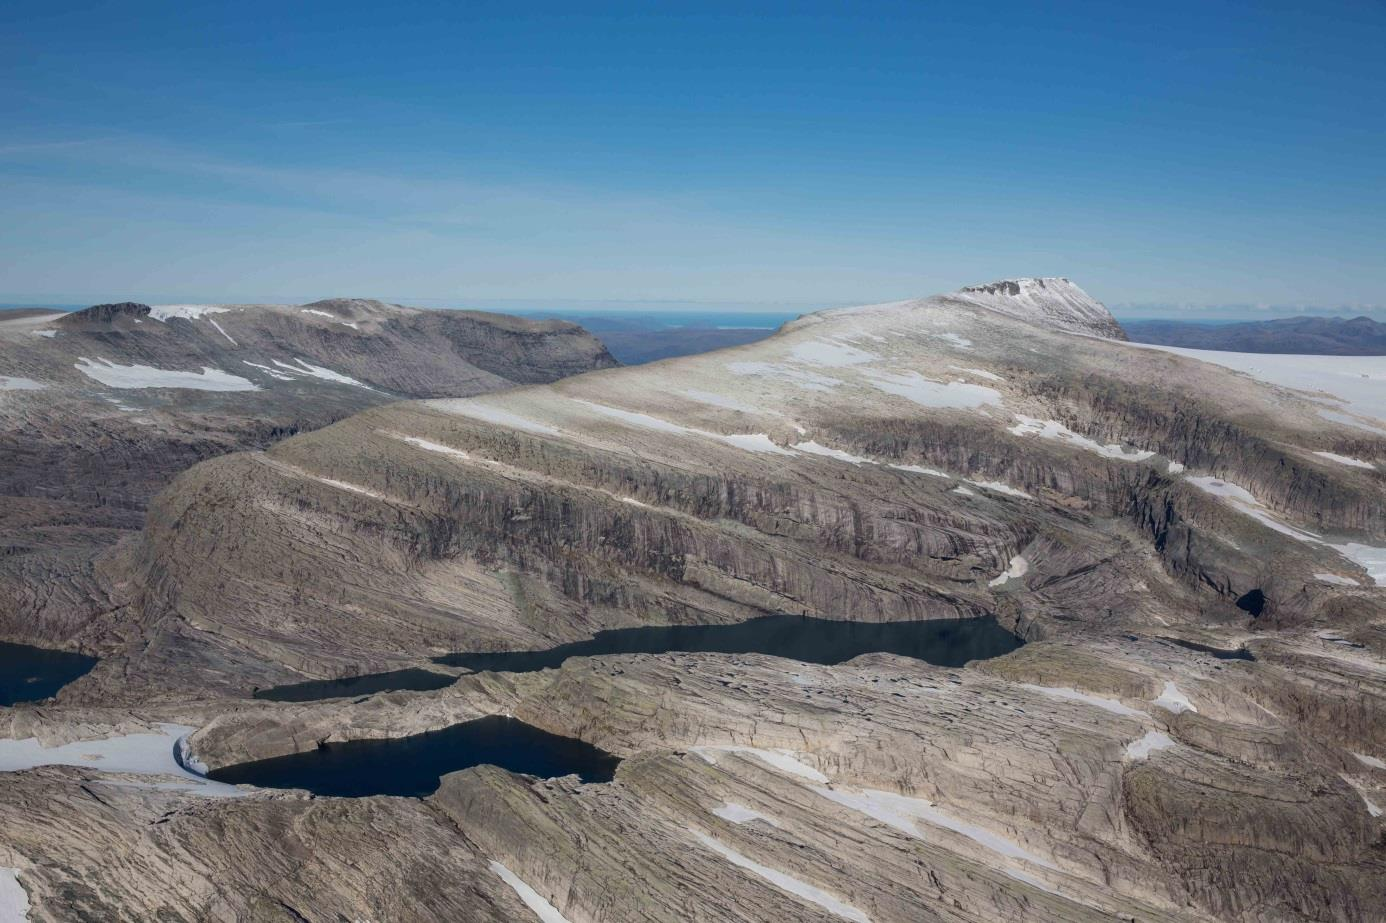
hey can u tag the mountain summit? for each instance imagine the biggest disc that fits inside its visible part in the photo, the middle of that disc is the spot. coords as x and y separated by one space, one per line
1055 302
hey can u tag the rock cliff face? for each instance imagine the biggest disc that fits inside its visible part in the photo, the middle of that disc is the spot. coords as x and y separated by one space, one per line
1056 303
100 408
1194 731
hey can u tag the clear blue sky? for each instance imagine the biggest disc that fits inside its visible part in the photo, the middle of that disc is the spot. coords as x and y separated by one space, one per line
804 154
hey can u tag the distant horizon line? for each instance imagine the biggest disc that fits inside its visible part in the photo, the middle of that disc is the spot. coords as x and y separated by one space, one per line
1128 311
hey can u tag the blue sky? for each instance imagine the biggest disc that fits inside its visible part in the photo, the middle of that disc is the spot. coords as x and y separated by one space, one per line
802 154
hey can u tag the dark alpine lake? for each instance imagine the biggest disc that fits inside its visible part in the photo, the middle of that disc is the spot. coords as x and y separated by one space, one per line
412 766
417 680
30 674
942 642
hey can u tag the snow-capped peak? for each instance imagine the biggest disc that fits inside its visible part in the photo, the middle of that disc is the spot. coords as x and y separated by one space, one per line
1052 302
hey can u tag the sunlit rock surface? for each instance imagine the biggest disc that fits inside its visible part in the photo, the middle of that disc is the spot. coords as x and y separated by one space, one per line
1136 516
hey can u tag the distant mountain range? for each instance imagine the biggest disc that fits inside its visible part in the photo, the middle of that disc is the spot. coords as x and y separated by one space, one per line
1327 336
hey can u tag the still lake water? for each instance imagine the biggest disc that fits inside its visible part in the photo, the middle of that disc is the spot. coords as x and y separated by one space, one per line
412 766
417 680
30 674
942 642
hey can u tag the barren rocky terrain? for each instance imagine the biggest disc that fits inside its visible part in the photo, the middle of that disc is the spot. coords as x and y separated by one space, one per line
1194 729
100 408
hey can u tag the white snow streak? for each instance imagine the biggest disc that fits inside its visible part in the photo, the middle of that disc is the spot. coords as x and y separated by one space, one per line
543 910
1052 429
783 881
740 814
813 448
466 407
1336 580
903 813
1106 704
13 383
830 354
1346 460
1371 761
222 332
783 760
302 367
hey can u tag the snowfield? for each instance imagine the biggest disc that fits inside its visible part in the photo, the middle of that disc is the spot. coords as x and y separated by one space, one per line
166 312
14 902
957 394
146 376
1358 382
148 753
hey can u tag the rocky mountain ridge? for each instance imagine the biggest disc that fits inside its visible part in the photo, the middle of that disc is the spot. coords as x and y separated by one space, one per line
100 408
1194 730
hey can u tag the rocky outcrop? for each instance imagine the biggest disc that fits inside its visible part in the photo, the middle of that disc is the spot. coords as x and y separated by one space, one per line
1055 303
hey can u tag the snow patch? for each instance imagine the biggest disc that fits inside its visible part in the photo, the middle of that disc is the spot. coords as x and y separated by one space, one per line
740 814
783 881
149 753
543 910
146 376
961 342
14 901
980 373
783 760
1052 429
750 442
1018 568
903 813
830 354
327 314
465 407
813 448
1171 699
1345 460
929 393
718 400
809 381
1000 487
1371 761
44 333
13 383
1150 743
1106 704
1175 468
1370 558
281 376
434 446
1336 580
920 469
166 312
